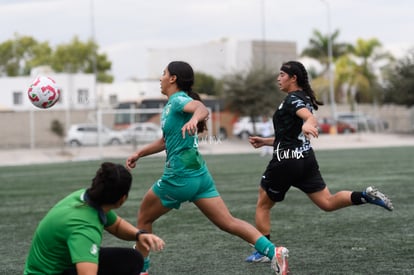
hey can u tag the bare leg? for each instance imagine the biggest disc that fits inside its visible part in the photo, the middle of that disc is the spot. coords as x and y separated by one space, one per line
328 202
263 207
217 212
150 210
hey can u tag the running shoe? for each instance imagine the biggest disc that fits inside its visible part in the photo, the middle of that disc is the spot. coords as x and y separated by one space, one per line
372 195
280 261
257 257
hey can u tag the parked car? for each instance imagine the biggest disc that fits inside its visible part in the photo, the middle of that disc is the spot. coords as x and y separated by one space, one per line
142 132
362 122
87 134
325 124
243 127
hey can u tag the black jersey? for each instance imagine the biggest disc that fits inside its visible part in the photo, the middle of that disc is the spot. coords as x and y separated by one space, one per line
288 126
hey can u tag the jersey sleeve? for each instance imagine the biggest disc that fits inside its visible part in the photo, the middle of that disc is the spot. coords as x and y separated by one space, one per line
179 102
110 218
295 103
84 245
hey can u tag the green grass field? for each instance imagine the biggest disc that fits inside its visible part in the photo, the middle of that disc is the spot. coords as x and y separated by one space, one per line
356 240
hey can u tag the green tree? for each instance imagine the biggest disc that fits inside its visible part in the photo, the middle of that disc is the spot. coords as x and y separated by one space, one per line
400 87
19 55
57 128
368 55
318 48
8 63
41 55
253 93
349 79
77 56
204 84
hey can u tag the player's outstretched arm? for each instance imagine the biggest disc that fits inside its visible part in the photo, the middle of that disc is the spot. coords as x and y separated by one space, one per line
149 149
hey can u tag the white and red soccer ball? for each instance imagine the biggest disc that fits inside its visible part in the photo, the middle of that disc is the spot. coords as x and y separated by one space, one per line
43 92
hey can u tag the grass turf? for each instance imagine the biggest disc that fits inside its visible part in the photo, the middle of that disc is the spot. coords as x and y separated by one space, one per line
356 240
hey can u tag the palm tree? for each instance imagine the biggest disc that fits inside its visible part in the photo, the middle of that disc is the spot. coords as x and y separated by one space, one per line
349 79
367 55
318 48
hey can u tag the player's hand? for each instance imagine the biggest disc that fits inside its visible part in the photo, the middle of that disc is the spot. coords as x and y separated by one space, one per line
151 242
190 127
131 161
256 141
310 130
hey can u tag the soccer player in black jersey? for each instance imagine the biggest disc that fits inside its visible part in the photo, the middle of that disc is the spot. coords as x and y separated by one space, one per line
294 162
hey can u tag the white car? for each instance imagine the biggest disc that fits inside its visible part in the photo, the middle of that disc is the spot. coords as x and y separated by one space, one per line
243 128
143 132
87 134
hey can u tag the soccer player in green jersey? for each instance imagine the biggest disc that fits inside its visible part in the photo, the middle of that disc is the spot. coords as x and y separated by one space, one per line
68 239
186 177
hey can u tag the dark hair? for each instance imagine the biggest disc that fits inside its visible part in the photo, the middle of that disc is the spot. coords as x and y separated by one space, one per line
185 81
111 182
296 68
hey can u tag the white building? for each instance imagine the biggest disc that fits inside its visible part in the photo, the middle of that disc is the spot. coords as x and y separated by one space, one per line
225 56
128 91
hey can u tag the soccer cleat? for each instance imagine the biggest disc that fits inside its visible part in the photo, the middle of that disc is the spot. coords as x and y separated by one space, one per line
280 261
257 257
372 195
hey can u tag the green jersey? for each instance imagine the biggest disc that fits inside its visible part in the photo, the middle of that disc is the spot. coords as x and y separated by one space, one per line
183 158
71 232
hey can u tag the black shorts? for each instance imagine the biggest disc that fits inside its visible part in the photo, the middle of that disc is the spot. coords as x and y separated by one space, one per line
301 173
116 260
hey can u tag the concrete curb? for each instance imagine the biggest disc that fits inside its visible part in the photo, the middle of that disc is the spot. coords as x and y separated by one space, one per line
213 146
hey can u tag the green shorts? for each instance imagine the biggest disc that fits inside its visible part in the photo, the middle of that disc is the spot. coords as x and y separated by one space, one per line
174 190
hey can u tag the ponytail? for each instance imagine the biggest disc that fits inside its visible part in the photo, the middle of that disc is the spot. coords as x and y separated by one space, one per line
296 68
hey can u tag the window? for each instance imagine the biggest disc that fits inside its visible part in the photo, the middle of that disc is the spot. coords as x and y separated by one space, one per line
17 98
113 99
83 96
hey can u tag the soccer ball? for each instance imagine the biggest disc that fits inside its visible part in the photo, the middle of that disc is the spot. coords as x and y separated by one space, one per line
43 92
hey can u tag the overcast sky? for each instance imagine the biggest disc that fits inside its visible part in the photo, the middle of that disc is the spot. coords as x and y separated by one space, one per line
124 29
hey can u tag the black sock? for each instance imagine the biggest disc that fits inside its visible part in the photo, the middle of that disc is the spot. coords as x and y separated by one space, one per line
357 198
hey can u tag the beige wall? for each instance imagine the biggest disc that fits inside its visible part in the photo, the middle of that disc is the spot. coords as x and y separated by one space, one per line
15 126
400 119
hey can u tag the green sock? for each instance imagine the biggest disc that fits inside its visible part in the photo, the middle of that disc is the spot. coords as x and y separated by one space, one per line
265 247
146 263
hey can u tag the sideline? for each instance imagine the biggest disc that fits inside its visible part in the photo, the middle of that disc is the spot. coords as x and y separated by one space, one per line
212 146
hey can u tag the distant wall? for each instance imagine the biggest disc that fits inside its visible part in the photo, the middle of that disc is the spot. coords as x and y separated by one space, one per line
400 119
15 126
16 131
